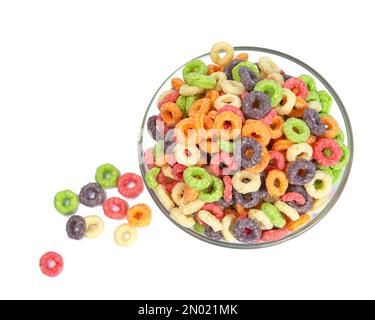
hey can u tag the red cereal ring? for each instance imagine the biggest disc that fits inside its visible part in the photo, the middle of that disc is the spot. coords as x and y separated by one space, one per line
298 198
277 161
130 185
298 87
327 152
149 158
274 235
178 171
228 188
51 264
161 178
220 159
169 185
115 208
233 109
214 209
171 160
268 118
171 97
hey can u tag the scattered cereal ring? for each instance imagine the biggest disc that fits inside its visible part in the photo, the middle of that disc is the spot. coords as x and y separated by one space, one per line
75 227
320 186
139 215
189 194
223 164
130 185
115 208
214 209
177 83
334 155
227 223
246 230
277 77
292 125
298 85
248 78
211 234
344 158
192 207
276 127
251 153
262 164
274 215
248 200
200 106
177 193
277 161
268 118
203 181
125 235
187 90
200 81
308 200
94 226
229 68
66 202
170 96
276 183
51 264
282 145
228 124
272 89
92 195
107 175
219 47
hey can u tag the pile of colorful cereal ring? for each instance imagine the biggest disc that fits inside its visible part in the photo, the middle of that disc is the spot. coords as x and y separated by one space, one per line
129 185
244 153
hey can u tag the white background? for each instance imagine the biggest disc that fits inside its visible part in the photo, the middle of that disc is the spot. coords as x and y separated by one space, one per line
75 79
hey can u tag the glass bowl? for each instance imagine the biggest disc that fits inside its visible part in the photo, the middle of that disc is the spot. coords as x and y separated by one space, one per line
291 66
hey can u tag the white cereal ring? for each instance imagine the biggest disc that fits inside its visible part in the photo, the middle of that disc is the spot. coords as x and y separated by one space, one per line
225 99
286 209
219 47
187 90
178 193
185 221
209 219
219 77
320 186
188 209
233 87
316 105
164 198
245 182
94 226
261 218
299 151
167 171
319 204
125 235
267 65
277 77
289 99
189 158
227 223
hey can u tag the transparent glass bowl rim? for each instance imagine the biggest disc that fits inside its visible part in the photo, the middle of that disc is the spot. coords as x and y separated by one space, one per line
313 222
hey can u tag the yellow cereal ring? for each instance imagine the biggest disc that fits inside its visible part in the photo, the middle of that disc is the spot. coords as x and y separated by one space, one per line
227 223
125 235
319 204
286 209
94 226
192 207
228 98
253 184
185 221
186 90
164 197
219 78
232 87
324 188
261 218
299 151
267 66
178 193
209 219
219 47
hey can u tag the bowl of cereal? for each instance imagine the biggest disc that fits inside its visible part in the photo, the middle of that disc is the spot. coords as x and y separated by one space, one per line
245 147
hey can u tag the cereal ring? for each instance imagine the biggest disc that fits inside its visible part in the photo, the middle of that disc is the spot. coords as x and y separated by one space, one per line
274 235
167 171
183 220
340 136
246 230
300 172
249 200
261 218
228 124
187 90
151 177
190 194
225 204
320 186
277 161
251 153
311 140
312 119
200 106
276 183
51 264
164 198
243 56
178 193
66 202
276 127
169 96
284 208
203 181
92 195
262 164
94 226
248 65
152 128
282 145
107 175
187 156
196 66
267 66
115 208
200 81
75 227
299 151
229 68
227 223
171 114
228 188
198 228
245 182
294 196
219 77
319 204
232 87
209 219
309 81
125 235
177 83
326 101
287 102
277 77
219 47
274 215
333 127
177 171
313 96
268 118
185 132
308 200
303 220
315 105
296 130
227 99
256 105
298 87
130 185
214 192
212 95
210 233
272 89
248 78
192 207
336 174
214 209
233 109
223 164
344 158
139 215
211 68
257 130
332 157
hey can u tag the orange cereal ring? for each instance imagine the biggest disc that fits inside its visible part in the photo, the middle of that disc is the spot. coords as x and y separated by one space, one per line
208 142
311 140
257 130
276 183
190 194
171 114
186 131
212 95
200 106
295 225
282 145
242 56
211 68
262 164
228 125
139 215
203 122
241 211
276 127
300 103
229 210
332 127
177 83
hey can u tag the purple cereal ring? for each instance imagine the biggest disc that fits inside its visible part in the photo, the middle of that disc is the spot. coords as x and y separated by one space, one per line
246 230
256 105
152 128
301 209
229 68
248 78
300 172
210 233
225 204
312 119
256 155
248 200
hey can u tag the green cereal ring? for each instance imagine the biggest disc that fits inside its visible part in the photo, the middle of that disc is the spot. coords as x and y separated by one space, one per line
248 65
66 202
181 104
336 174
151 177
326 170
201 81
203 181
272 89
340 136
344 158
196 66
310 82
198 228
273 214
189 101
312 96
214 192
226 146
293 124
107 175
159 149
326 101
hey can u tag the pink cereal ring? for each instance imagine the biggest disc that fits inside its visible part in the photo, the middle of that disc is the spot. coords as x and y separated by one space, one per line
274 235
214 209
171 97
171 160
220 159
228 188
277 161
299 85
327 144
233 109
269 117
161 125
178 171
298 198
149 158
